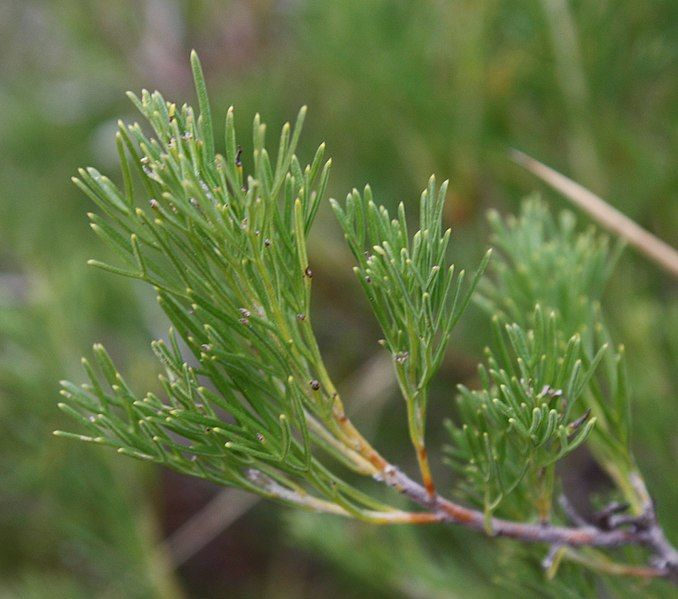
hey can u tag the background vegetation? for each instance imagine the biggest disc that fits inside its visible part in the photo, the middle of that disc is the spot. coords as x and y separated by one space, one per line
397 90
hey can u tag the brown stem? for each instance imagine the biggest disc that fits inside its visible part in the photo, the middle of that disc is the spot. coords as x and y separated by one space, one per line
650 535
425 469
605 566
354 439
645 531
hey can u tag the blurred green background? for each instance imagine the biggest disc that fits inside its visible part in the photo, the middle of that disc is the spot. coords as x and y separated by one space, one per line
398 90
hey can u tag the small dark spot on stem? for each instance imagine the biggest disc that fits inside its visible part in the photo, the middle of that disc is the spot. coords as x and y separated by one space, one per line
401 357
574 425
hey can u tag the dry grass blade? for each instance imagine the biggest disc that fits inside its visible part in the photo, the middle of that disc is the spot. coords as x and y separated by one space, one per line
609 217
204 526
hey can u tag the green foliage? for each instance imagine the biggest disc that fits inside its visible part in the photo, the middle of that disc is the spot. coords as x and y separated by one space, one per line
226 254
553 366
451 85
548 263
524 418
548 341
414 293
254 406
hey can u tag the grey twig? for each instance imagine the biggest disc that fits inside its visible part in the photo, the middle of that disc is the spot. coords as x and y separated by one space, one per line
664 558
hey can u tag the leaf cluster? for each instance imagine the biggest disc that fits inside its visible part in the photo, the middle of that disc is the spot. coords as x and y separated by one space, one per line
548 261
553 378
525 417
413 290
253 402
226 254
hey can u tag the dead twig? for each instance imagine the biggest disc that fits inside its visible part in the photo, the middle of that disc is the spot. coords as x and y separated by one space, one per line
610 218
204 526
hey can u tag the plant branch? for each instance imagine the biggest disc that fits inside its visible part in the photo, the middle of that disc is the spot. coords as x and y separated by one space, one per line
645 530
305 501
647 533
227 256
600 564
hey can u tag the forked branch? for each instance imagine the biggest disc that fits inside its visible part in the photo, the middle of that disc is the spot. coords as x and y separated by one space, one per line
642 531
226 254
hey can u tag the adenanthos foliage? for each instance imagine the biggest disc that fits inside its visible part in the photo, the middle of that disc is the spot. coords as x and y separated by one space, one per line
226 254
247 399
553 377
414 293
545 262
525 417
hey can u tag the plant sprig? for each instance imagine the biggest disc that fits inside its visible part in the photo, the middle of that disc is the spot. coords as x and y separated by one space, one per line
546 261
413 290
247 400
525 417
226 254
